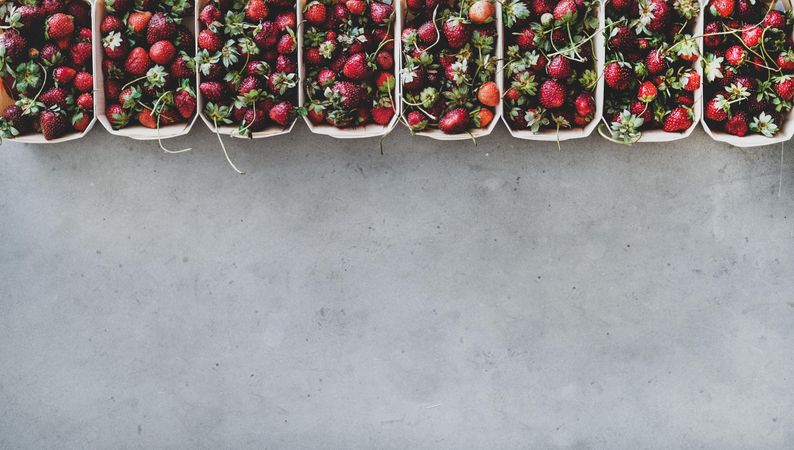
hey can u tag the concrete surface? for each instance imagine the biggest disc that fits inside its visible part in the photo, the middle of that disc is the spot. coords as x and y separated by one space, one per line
508 295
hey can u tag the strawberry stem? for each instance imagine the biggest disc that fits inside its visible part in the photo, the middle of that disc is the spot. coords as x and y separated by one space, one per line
223 147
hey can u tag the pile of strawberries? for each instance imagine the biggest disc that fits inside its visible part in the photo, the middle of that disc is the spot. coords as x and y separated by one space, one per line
247 63
449 65
550 66
650 74
45 64
148 63
349 48
748 66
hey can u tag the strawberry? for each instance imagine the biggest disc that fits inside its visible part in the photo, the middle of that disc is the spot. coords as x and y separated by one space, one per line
80 54
751 35
721 8
315 13
213 91
785 60
736 55
774 19
53 124
617 76
286 44
137 62
552 94
183 66
64 75
384 60
482 11
784 87
356 67
54 97
138 21
647 92
660 15
565 11
84 82
185 100
416 121
737 124
455 121
457 32
679 119
14 44
716 109
115 46
256 10
110 24
282 113
382 115
380 13
209 41
85 101
559 67
80 121
162 52
286 20
160 28
210 14
356 7
690 81
526 39
655 62
488 94
427 32
482 117
117 116
59 26
351 94
117 6
585 105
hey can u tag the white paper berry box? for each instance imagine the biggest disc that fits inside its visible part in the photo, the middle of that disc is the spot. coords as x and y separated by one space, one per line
474 132
37 138
575 132
367 131
751 140
227 130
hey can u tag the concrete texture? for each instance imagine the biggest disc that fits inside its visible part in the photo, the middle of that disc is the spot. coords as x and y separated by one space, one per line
508 295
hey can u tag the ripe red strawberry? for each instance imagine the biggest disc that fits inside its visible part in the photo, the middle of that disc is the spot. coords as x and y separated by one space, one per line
14 44
721 8
117 116
622 5
751 35
80 54
416 121
59 26
80 121
118 6
551 94
212 91
111 23
356 67
655 62
209 40
356 7
737 124
138 62
209 14
690 81
585 105
351 94
84 82
427 32
162 52
256 10
784 87
137 21
160 28
315 13
282 113
285 20
185 101
540 7
647 92
617 76
382 115
54 97
286 44
182 67
736 55
679 119
559 67
64 75
661 12
115 45
53 6
53 124
455 121
313 56
267 37
774 19
85 101
81 11
112 88
380 13
715 110
457 32
526 39
565 11
385 60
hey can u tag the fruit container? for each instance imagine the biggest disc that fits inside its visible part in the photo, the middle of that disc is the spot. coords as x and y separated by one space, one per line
693 47
592 98
386 92
8 98
785 123
271 128
471 133
134 130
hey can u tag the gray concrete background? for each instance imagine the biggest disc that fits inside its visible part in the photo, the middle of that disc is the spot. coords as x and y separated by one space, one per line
440 296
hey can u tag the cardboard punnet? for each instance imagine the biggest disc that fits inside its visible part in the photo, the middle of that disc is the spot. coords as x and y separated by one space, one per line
271 130
138 132
37 138
753 140
659 135
367 131
598 93
499 51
